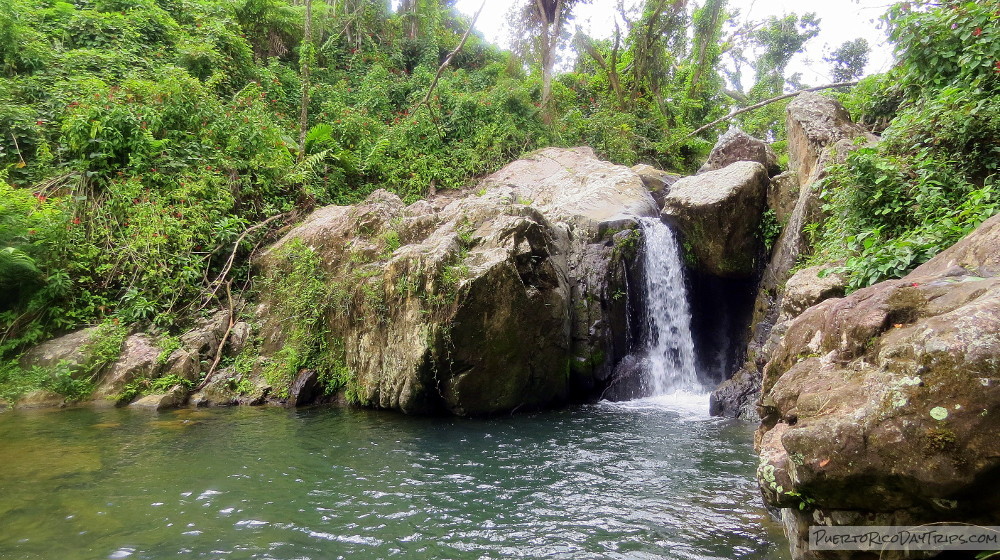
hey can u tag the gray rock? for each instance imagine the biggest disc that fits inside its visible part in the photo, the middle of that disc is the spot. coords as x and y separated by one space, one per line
735 145
492 301
205 337
138 360
305 389
41 398
657 181
183 363
808 287
238 337
73 350
815 122
219 391
162 401
783 195
737 396
820 133
719 214
882 405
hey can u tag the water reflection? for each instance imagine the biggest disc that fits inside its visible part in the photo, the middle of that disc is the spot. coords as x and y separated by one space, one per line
645 479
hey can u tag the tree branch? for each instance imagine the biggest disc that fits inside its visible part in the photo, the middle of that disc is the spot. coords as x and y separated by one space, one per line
447 59
762 104
220 280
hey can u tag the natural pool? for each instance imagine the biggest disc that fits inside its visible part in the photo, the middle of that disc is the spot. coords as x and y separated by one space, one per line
654 478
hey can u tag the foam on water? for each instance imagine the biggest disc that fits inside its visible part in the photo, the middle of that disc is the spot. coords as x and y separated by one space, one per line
688 405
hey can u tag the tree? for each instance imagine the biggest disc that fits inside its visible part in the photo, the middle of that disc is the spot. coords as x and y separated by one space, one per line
776 41
306 56
848 60
540 25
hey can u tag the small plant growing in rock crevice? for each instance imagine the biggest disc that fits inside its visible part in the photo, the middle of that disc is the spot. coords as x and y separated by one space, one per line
301 291
626 244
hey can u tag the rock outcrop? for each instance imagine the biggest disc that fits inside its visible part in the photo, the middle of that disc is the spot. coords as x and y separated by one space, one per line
719 213
882 407
466 303
656 180
816 122
820 133
73 350
114 359
735 145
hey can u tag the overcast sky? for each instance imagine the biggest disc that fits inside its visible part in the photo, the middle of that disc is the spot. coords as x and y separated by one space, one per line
840 21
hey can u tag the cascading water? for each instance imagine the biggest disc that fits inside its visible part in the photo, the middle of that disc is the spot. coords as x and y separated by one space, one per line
667 351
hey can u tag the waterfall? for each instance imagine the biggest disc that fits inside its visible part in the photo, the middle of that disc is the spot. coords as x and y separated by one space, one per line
667 350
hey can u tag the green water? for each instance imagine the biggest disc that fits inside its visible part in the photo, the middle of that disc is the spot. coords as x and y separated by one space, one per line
640 480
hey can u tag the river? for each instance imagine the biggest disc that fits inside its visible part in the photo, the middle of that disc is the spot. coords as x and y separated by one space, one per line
653 478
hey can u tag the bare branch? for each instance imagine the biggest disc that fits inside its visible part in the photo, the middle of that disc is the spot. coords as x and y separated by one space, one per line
447 59
762 104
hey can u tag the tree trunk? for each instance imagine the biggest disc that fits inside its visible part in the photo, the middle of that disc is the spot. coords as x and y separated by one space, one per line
551 26
305 56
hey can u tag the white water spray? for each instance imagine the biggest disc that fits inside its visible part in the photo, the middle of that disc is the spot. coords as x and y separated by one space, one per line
668 349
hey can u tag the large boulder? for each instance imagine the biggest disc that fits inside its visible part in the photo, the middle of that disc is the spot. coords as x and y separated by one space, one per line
139 360
74 351
814 123
882 407
719 213
735 145
489 300
820 133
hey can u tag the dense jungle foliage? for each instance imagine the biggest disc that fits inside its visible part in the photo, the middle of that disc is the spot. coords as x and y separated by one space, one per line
933 177
149 147
142 138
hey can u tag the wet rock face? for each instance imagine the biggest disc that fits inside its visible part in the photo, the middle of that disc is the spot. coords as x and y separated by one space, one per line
719 213
469 303
735 145
884 405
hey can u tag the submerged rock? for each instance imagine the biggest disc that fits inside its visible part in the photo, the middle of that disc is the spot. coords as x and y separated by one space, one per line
41 398
471 303
719 213
882 407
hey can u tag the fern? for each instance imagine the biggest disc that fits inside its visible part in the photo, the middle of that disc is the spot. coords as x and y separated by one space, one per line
17 267
309 168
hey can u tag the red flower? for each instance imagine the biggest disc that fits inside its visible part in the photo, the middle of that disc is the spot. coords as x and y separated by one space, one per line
998 67
76 221
978 31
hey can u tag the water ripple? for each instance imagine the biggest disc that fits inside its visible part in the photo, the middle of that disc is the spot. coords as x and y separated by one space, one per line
654 478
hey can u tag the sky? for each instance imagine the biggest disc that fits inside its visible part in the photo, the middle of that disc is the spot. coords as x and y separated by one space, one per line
840 21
